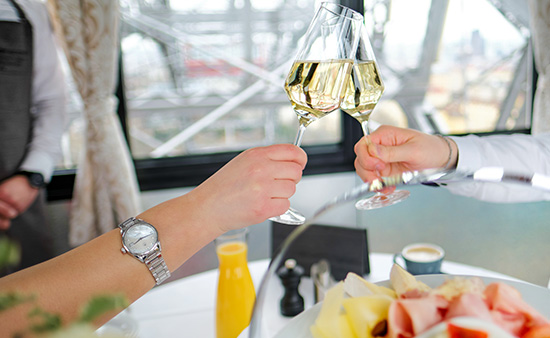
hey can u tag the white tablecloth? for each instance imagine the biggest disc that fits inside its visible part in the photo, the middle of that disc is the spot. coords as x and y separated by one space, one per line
186 307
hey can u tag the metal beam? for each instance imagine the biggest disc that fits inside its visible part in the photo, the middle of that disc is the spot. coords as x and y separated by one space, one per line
164 32
217 113
517 85
414 83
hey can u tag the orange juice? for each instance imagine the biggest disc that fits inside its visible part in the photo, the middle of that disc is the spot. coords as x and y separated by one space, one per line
236 293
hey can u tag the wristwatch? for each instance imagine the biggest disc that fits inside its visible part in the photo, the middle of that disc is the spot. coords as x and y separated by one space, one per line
36 180
140 239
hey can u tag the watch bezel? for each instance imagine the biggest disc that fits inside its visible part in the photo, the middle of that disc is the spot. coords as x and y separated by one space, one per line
140 255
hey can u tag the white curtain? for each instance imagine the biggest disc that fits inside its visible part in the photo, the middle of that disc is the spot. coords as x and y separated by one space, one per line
106 189
540 27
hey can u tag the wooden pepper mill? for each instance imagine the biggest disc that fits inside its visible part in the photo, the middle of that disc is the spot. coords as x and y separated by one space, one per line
292 302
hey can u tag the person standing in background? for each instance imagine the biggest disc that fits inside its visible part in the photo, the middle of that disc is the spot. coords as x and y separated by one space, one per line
32 120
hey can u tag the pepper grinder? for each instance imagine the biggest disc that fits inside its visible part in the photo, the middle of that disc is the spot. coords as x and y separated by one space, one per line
292 302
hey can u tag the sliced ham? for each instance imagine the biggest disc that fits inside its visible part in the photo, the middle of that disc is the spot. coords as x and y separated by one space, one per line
469 305
409 317
510 311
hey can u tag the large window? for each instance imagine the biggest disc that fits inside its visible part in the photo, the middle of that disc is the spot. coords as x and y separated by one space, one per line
203 80
205 77
454 66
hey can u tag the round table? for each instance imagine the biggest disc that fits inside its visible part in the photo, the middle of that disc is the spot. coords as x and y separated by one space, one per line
186 307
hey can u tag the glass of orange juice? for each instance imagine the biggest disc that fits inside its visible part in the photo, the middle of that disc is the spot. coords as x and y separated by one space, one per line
236 293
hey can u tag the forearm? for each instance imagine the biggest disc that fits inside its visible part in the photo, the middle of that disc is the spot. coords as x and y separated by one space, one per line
64 284
252 187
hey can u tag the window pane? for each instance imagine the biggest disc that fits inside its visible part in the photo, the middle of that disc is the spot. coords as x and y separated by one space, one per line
207 76
456 66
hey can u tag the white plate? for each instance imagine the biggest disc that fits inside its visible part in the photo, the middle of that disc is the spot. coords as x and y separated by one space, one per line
536 296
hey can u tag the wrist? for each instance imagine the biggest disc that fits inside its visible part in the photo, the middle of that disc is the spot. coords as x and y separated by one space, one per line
454 159
451 151
35 179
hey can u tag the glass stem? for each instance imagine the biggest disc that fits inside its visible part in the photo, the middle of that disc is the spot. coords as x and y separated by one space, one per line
366 132
365 126
301 131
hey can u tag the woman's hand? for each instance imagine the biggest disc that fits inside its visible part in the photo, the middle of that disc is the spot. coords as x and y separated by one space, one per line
391 150
253 186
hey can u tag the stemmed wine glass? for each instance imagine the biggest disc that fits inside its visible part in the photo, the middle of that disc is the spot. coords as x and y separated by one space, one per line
363 91
317 79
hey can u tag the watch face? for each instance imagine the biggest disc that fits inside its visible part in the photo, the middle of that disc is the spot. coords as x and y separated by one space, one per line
140 238
36 180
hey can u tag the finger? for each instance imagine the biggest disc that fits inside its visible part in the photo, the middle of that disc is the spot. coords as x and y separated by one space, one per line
7 210
287 171
390 135
367 175
364 159
282 189
392 154
287 152
278 206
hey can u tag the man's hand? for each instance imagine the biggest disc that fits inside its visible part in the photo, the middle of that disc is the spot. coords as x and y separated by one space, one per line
16 195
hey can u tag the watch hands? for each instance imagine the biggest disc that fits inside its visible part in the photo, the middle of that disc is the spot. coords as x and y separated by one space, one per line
139 239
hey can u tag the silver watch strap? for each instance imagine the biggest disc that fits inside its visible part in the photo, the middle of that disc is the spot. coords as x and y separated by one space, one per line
127 223
156 264
154 261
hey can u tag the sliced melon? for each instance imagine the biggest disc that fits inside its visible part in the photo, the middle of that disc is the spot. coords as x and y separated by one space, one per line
356 286
367 313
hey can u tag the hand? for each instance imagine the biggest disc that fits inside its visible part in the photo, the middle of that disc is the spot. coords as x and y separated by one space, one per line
393 150
253 186
16 195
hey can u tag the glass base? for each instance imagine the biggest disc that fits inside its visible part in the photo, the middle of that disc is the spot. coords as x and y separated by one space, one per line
382 200
290 217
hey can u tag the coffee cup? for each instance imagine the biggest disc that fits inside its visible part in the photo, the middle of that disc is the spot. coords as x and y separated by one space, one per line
421 258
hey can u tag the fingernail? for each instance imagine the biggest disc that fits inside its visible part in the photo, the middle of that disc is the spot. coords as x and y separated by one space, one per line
376 149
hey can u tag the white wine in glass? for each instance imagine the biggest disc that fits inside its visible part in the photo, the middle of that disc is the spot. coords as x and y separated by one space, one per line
316 82
315 89
363 91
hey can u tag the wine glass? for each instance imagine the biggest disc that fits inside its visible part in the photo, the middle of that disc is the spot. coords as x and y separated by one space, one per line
363 91
316 82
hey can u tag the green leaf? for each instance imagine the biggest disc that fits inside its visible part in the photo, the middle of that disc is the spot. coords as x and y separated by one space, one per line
10 252
100 305
9 300
48 322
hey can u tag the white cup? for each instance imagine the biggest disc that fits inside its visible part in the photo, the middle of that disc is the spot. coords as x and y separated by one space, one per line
421 258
